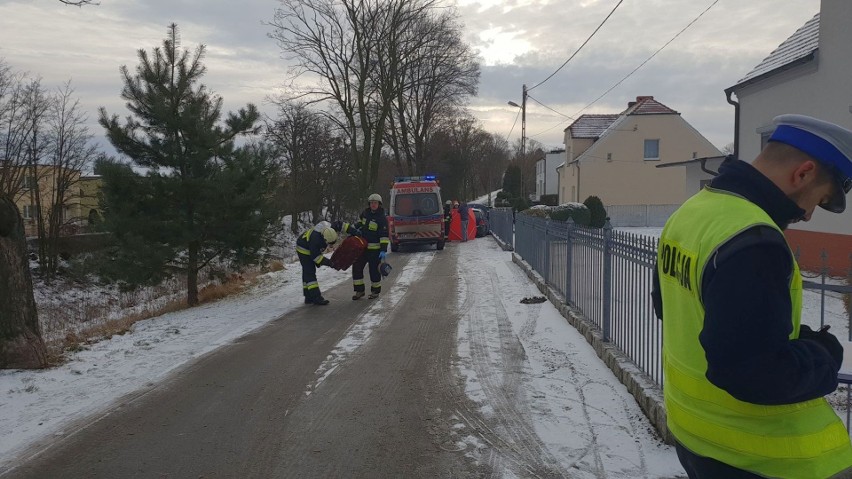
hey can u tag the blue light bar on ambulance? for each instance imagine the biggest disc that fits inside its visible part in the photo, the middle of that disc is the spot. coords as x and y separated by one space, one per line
406 179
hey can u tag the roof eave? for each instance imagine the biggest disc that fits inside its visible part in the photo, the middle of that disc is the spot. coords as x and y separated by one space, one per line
787 66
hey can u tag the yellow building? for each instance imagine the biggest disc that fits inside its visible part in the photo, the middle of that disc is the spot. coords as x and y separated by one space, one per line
39 188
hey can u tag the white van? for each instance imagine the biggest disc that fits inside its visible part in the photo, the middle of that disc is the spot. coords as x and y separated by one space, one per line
416 213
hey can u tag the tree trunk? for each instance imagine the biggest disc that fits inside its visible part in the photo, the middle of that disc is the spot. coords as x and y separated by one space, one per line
192 275
21 345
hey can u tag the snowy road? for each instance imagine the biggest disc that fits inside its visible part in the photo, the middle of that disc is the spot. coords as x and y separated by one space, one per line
547 405
447 375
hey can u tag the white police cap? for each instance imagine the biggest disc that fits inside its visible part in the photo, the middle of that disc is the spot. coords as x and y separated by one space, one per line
827 143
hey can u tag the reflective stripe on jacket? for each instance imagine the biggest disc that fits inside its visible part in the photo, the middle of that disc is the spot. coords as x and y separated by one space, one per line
312 244
374 228
799 440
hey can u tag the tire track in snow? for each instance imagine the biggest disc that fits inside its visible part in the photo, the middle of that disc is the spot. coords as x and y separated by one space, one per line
604 464
499 369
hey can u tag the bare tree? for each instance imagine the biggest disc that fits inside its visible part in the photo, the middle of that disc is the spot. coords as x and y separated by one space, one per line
69 154
358 50
21 345
318 175
79 3
439 72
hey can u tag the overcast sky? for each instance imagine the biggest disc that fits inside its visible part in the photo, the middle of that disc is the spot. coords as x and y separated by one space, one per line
519 41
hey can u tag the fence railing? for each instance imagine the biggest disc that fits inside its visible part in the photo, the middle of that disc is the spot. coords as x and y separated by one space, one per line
607 275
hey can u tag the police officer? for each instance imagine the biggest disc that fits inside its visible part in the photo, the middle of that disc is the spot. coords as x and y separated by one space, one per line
745 379
309 247
373 225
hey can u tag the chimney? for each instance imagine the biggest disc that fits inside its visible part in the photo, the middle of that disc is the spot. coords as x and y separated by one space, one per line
643 98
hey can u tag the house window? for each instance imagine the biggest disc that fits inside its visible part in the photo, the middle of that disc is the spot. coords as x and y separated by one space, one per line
30 183
609 157
652 149
694 154
29 212
573 194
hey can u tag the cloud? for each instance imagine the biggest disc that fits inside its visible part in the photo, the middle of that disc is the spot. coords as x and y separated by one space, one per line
519 41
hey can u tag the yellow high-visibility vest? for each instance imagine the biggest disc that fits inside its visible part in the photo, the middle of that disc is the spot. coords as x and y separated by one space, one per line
801 440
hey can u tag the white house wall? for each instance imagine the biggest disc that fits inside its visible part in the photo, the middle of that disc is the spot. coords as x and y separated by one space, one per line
820 89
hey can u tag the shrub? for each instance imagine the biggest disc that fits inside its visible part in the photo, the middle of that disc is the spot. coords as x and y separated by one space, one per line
502 199
597 211
518 203
549 200
536 212
576 211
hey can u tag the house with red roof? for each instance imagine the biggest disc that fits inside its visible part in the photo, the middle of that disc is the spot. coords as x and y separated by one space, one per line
614 156
809 74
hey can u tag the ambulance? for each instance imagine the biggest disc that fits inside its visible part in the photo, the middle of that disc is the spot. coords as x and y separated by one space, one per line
416 213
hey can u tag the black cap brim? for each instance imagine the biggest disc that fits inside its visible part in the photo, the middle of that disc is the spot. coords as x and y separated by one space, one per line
837 203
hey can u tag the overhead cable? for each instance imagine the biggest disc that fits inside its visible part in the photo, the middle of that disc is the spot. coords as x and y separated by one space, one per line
580 48
649 58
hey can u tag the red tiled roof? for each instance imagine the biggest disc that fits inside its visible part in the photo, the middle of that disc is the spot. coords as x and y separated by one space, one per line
591 126
647 105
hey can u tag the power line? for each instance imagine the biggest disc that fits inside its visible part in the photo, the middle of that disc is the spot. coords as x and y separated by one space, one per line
628 75
581 46
551 109
649 58
513 125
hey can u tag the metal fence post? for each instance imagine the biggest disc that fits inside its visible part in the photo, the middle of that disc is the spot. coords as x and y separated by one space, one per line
546 263
607 280
569 261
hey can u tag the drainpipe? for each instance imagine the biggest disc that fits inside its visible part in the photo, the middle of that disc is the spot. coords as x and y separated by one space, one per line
736 105
704 167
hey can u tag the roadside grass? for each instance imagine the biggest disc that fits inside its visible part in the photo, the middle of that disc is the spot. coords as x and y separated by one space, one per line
74 316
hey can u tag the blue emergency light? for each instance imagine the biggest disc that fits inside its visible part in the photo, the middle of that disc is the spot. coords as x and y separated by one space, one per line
407 179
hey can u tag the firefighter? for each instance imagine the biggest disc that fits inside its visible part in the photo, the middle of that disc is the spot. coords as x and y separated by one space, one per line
373 225
448 216
310 247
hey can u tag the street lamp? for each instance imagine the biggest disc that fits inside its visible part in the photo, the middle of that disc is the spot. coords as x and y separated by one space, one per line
523 107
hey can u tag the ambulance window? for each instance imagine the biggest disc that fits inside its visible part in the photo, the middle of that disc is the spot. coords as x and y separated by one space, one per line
416 204
403 205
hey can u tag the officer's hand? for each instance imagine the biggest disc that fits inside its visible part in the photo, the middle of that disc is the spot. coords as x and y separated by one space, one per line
825 339
382 255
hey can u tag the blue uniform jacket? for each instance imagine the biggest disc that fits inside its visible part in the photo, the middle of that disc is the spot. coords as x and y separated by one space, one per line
746 294
316 244
379 231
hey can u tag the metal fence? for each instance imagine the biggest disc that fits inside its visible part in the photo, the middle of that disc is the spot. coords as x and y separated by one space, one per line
607 275
501 222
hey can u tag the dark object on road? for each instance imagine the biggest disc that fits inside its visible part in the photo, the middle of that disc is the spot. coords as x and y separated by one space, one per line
534 300
385 269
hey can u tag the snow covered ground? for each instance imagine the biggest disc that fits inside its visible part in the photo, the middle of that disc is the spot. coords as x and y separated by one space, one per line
565 383
586 421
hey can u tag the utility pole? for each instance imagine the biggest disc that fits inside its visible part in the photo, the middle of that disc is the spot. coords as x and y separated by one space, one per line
524 121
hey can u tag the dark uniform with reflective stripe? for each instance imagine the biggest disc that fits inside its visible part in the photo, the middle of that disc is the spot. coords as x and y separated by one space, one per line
310 247
374 228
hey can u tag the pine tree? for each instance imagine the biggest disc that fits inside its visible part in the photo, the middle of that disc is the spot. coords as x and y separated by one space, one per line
201 197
